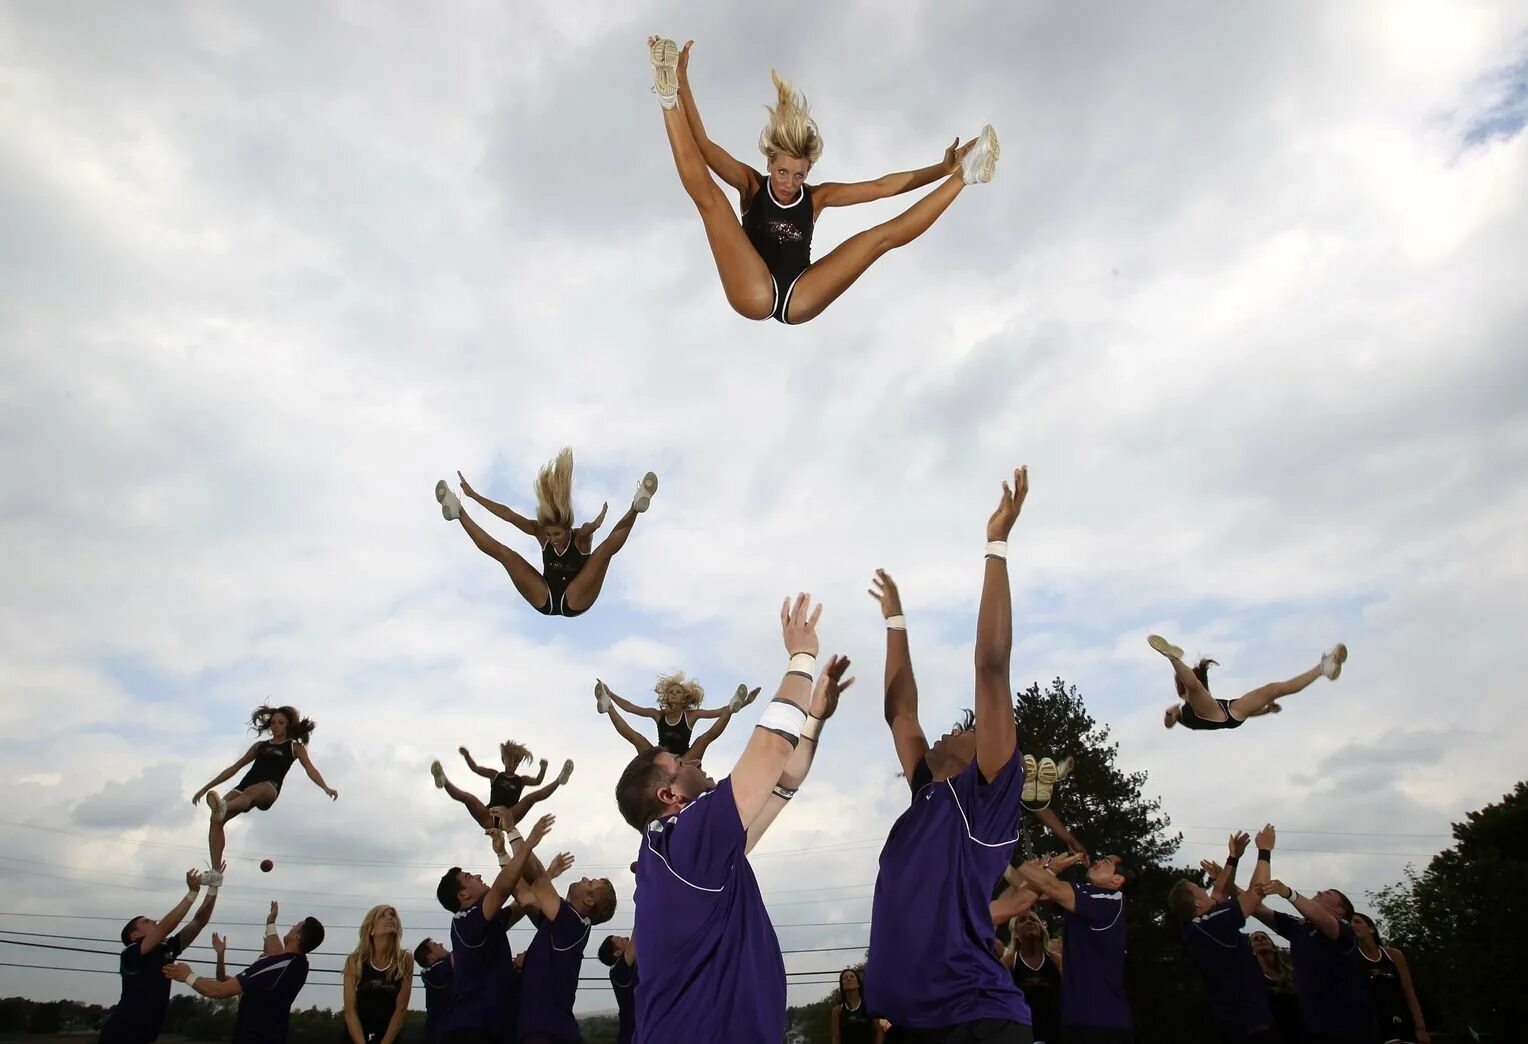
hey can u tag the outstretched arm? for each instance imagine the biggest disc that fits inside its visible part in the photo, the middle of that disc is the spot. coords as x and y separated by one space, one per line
227 773
739 175
486 773
848 193
758 770
996 737
1236 845
216 989
220 946
540 775
525 525
312 771
1037 877
901 701
272 944
509 873
1052 822
1311 910
203 916
1016 900
170 921
629 707
830 686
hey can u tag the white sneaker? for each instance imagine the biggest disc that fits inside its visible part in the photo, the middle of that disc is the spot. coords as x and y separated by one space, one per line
664 54
1027 795
980 163
567 771
602 697
450 503
1045 781
212 879
644 495
1332 661
439 774
1165 647
739 699
1064 767
215 803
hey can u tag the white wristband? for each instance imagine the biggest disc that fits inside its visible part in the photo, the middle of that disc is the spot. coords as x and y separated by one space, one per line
802 663
896 623
503 858
511 836
812 729
997 549
191 895
786 717
191 980
270 929
212 892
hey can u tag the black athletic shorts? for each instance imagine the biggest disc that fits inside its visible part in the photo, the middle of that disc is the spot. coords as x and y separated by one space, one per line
982 1031
1190 720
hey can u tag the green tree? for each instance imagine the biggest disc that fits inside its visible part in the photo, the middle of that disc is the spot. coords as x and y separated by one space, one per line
1462 921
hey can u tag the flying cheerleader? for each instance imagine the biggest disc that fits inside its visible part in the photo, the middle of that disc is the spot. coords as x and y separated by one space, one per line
572 569
1199 710
764 258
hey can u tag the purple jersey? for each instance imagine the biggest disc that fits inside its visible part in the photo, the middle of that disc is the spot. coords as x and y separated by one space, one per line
714 970
1232 977
931 963
140 1013
270 986
482 964
623 981
437 996
549 980
1332 987
1093 975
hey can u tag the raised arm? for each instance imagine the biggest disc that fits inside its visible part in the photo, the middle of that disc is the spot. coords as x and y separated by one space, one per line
901 700
830 686
1052 822
777 733
1262 874
525 525
509 872
227 773
473 766
848 193
170 921
312 771
539 777
1016 900
203 916
996 737
1311 910
737 174
214 989
220 947
1236 845
1037 877
272 944
629 707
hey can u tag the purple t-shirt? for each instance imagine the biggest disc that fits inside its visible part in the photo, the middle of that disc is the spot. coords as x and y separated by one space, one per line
1332 987
549 980
1234 980
437 996
714 970
482 966
1093 975
140 1013
931 962
270 986
623 982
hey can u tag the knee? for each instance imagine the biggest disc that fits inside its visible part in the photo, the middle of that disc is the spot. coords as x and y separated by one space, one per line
753 305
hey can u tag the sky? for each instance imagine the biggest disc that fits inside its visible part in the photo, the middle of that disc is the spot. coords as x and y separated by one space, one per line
1246 294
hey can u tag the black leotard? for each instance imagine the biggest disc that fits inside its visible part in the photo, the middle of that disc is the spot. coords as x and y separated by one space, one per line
1388 998
782 234
1189 720
1042 991
558 570
674 737
505 790
855 1026
376 998
272 762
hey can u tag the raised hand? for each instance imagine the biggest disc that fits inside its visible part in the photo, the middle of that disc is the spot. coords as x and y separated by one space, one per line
270 918
193 879
830 686
178 972
1266 838
798 626
1211 868
1237 844
542 828
497 836
560 865
1007 511
196 799
1279 888
955 155
1062 863
467 490
334 795
884 590
684 60
219 944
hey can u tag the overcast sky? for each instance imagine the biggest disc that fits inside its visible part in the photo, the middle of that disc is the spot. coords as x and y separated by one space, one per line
1246 294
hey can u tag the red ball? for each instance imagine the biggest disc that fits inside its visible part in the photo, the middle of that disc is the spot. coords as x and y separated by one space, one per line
267 866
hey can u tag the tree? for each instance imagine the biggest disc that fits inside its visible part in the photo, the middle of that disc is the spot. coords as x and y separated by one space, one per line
1461 922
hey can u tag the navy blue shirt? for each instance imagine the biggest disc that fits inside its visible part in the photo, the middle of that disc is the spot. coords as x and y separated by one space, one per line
270 985
1093 971
138 1016
623 981
482 967
1223 955
437 996
549 980
1332 987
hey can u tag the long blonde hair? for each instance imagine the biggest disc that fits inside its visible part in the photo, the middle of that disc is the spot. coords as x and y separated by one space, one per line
675 691
554 491
513 754
790 129
397 971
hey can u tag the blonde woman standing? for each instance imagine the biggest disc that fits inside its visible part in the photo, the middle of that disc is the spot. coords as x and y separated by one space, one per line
378 977
764 258
572 569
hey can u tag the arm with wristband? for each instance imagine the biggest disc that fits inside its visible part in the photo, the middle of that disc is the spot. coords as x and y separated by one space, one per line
511 869
996 736
1312 911
272 944
212 880
214 989
1225 878
169 922
778 732
901 701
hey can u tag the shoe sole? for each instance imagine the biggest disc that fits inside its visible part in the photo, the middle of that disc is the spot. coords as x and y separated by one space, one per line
1339 657
566 773
1046 781
664 55
215 805
438 773
989 149
599 700
645 490
1031 770
1167 648
738 698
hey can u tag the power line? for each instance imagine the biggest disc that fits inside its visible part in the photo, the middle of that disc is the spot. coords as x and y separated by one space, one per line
261 924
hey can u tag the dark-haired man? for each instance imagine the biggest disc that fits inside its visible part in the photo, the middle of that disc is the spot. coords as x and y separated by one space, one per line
147 947
619 954
931 969
267 988
1331 985
434 963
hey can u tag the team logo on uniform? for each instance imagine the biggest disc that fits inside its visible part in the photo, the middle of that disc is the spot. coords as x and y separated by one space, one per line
784 231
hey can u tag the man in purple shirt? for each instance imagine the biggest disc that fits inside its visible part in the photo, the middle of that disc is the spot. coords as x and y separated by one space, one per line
932 969
712 969
619 954
434 963
1331 985
549 976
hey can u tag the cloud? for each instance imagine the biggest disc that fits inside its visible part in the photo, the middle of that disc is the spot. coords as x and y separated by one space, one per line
150 798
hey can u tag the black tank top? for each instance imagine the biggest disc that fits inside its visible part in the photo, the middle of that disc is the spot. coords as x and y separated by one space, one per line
505 790
1190 720
1042 992
376 998
559 569
782 234
1387 997
855 1025
272 762
674 737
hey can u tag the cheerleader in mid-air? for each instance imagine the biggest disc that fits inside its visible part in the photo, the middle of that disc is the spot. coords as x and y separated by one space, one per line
1199 710
506 806
678 709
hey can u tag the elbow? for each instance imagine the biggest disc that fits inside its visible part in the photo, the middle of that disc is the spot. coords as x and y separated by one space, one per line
992 663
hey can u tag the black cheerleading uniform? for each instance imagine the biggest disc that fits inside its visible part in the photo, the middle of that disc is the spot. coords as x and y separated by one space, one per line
1392 1015
376 998
505 790
1042 991
558 570
272 762
1190 720
674 737
855 1026
782 234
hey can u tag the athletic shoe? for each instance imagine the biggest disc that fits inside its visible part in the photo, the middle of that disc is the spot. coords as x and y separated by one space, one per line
439 773
1165 647
212 879
978 166
1047 781
567 771
664 55
1332 661
450 503
1064 767
1031 769
602 697
215 802
644 495
739 699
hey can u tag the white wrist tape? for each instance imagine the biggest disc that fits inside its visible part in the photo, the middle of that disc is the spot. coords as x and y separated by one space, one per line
896 623
191 895
802 663
783 717
997 549
812 729
270 929
191 980
512 836
212 893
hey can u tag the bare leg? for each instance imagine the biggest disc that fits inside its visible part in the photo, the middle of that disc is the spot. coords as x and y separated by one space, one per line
475 807
1194 692
517 811
526 578
745 278
584 588
820 285
1260 699
698 747
234 802
631 735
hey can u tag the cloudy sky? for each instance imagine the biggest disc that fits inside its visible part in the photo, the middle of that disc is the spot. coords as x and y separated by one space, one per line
1246 294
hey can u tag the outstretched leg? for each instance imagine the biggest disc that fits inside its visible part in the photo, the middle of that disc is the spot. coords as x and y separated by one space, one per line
584 588
526 577
698 747
232 804
517 811
631 735
1055 826
1194 693
745 278
1260 699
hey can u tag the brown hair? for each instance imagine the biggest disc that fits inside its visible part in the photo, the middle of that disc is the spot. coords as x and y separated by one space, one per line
636 792
298 727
